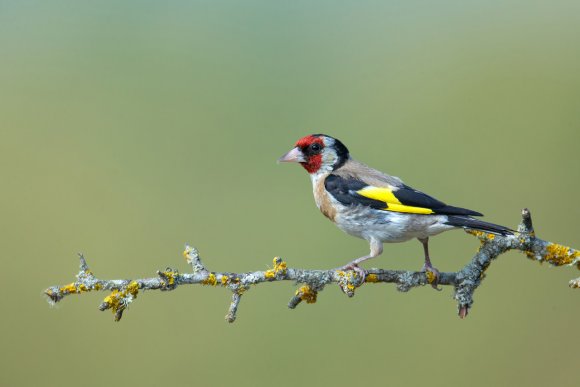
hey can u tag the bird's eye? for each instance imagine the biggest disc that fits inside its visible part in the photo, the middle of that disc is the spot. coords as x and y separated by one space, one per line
315 147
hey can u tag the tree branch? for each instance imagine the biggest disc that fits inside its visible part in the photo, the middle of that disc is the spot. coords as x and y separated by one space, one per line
464 281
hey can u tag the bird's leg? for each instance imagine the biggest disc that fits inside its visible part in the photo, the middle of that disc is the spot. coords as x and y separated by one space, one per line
376 250
428 267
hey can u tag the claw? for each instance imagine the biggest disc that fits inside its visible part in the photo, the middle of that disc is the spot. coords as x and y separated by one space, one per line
432 276
356 268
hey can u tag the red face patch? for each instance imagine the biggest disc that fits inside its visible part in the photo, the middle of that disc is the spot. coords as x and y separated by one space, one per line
313 163
313 158
306 141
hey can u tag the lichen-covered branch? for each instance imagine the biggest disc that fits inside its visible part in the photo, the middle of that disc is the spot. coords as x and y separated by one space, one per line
464 281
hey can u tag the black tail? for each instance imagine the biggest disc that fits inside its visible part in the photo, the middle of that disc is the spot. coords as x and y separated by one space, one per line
476 224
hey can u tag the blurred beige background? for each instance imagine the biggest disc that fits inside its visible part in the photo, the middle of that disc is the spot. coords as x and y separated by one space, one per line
131 128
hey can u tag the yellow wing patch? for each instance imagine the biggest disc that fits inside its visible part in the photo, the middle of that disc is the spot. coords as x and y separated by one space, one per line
392 203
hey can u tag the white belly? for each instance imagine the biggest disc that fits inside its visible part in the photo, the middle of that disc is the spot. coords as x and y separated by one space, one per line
387 226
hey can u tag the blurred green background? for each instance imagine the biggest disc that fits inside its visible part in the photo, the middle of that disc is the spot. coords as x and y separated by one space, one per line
130 128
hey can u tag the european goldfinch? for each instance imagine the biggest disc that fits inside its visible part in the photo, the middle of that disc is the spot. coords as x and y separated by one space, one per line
374 206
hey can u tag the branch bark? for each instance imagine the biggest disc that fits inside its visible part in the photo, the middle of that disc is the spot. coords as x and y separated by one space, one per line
464 281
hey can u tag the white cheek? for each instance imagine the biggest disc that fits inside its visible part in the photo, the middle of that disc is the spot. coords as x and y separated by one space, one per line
327 158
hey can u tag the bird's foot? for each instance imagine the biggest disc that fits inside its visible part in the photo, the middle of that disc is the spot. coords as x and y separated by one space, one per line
356 268
432 276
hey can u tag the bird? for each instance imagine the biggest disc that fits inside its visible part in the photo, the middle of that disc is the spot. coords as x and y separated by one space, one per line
372 205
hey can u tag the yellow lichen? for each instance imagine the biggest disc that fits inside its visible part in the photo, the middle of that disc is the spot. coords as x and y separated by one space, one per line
279 267
98 286
133 288
348 281
74 288
70 288
113 300
481 235
559 255
225 280
307 294
431 277
169 276
210 280
118 299
372 278
187 253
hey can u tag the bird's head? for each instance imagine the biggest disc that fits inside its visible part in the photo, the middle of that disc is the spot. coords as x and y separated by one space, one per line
317 153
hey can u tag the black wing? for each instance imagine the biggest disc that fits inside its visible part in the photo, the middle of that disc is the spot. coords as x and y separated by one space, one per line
352 191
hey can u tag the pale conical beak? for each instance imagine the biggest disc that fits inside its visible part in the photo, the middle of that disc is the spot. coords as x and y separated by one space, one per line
294 156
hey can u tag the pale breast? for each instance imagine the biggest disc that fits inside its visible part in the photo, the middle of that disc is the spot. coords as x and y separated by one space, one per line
322 199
